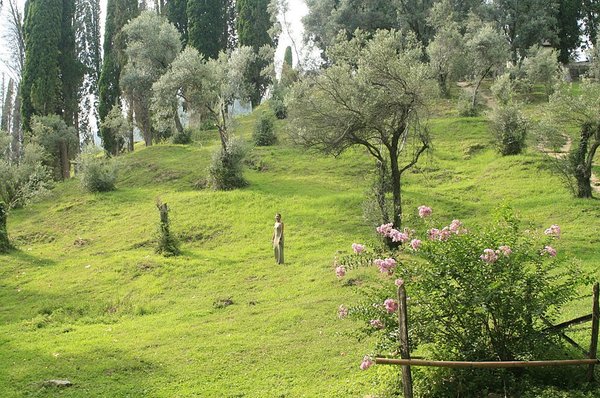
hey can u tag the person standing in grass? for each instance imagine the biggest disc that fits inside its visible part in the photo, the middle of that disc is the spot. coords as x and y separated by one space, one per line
278 239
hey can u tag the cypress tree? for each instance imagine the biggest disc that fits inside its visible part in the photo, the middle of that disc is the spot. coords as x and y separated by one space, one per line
253 25
569 32
71 70
288 58
41 86
118 13
207 26
177 15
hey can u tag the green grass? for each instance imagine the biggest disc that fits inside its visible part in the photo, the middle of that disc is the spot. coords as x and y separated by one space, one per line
86 298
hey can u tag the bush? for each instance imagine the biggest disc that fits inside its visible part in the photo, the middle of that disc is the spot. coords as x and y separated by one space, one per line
225 170
474 295
277 101
182 138
509 127
465 105
264 134
96 172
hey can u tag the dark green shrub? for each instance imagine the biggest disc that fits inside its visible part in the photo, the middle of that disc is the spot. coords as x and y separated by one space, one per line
264 134
97 173
509 126
225 170
182 138
277 101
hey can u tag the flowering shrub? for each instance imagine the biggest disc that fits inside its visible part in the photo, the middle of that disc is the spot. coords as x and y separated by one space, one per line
473 295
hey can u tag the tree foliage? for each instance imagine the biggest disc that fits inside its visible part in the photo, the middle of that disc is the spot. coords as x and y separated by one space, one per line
118 13
152 44
59 142
582 110
254 23
208 26
176 12
373 95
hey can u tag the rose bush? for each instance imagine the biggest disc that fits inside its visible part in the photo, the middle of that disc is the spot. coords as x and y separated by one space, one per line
473 295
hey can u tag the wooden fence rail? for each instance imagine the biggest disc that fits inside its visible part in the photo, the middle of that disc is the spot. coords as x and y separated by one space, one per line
406 362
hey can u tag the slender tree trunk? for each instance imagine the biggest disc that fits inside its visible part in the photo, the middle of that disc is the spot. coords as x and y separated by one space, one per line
178 124
474 99
17 138
130 121
582 159
396 190
64 160
443 84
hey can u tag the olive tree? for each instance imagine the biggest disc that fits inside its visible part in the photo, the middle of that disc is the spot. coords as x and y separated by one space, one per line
582 110
487 50
152 44
208 87
372 95
21 183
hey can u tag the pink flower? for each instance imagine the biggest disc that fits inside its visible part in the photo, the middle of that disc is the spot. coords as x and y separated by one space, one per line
342 311
398 236
554 230
377 324
505 250
424 211
434 234
445 234
366 363
399 282
489 256
415 244
358 248
550 250
385 229
455 226
391 305
340 271
385 266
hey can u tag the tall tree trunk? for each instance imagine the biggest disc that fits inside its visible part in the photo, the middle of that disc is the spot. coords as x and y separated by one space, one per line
178 124
130 121
64 160
582 159
17 133
396 190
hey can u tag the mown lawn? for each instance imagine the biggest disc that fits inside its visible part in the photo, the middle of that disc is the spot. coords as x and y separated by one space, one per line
85 297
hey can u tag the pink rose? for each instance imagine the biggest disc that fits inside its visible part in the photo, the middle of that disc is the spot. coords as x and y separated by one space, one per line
505 250
366 363
391 305
550 250
424 211
434 234
377 324
445 234
342 311
358 248
340 271
554 230
415 244
385 229
489 256
455 226
399 282
398 236
385 266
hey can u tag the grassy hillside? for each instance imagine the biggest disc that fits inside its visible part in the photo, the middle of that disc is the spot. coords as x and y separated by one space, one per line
86 298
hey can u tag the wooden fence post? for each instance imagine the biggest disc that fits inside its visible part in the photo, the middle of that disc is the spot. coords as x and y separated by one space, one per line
593 354
404 346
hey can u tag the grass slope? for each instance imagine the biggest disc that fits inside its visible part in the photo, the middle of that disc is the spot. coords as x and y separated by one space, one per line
85 297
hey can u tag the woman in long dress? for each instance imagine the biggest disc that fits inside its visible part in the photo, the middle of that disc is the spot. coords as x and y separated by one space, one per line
278 239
